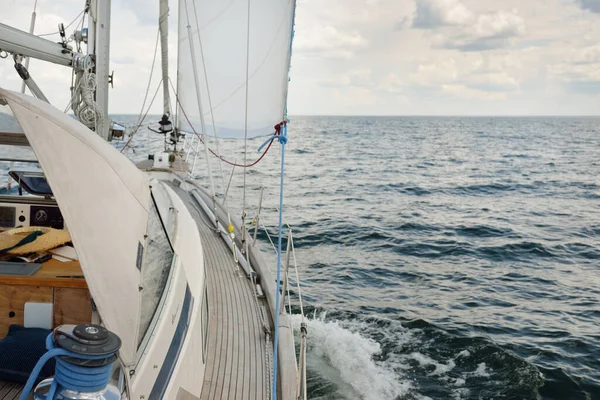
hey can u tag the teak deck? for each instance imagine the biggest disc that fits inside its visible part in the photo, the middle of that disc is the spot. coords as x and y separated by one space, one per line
10 390
236 364
236 361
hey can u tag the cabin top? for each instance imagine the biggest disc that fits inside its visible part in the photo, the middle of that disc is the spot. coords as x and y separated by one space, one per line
103 199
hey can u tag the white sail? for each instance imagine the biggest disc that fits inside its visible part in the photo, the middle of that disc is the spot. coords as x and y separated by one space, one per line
241 58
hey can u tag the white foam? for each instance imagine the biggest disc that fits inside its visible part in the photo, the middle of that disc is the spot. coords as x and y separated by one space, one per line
343 356
440 368
459 393
459 382
481 370
464 353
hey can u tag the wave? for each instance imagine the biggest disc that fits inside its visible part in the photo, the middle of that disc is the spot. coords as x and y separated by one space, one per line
374 358
339 356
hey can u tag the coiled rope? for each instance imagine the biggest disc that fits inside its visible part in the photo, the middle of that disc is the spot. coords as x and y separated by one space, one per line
69 376
82 102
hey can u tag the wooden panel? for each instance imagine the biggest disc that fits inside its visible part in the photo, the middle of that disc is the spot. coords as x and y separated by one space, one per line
72 306
12 303
53 273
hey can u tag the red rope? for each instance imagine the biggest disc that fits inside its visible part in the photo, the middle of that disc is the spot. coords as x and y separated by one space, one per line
277 132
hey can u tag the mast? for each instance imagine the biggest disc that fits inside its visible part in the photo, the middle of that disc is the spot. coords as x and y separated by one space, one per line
100 14
163 24
31 28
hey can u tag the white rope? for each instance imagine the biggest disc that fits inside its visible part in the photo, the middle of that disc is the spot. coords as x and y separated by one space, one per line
82 102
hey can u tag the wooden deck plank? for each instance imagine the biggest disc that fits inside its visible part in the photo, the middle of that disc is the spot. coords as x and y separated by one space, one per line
14 392
231 331
215 340
235 360
254 338
6 388
225 332
244 323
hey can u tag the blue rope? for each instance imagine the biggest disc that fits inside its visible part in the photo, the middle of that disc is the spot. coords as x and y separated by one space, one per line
69 376
283 141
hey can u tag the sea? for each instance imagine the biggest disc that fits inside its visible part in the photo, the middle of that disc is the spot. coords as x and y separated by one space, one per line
438 257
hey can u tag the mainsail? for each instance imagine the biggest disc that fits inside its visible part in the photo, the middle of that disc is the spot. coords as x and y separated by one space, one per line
233 63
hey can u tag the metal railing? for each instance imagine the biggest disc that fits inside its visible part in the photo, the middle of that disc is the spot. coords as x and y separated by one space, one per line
290 262
191 147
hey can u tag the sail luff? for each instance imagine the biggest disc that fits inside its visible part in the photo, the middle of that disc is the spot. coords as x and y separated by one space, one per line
289 59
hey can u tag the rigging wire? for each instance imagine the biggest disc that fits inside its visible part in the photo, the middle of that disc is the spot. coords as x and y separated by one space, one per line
252 164
66 27
212 115
244 244
142 120
150 78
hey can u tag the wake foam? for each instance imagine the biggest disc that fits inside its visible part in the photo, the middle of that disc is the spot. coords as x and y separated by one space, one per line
352 362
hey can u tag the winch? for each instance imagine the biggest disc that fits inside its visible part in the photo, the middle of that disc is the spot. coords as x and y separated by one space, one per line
84 357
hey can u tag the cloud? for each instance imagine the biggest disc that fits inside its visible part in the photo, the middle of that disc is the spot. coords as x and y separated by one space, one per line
435 13
470 76
145 12
459 28
470 93
356 78
328 42
579 63
590 5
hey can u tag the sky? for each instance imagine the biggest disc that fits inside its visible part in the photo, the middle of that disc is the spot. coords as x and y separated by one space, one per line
376 57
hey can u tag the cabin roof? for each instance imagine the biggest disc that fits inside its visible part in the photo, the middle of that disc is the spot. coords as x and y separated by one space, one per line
104 200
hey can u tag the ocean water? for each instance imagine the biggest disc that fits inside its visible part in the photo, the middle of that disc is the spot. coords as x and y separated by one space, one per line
439 257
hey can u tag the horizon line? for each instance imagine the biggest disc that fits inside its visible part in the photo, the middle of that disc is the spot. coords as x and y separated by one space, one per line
426 115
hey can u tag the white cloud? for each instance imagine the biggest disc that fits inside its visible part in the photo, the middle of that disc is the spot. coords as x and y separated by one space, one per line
470 93
579 71
459 28
328 42
450 57
436 13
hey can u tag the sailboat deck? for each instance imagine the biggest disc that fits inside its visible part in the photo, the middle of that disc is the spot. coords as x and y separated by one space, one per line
236 364
10 390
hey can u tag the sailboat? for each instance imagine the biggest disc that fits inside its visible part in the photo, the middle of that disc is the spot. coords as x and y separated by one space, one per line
125 281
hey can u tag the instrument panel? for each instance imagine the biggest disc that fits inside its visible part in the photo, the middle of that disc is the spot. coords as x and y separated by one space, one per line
13 215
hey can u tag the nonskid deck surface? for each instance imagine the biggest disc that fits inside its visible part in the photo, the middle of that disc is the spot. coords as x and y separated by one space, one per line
10 390
236 364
